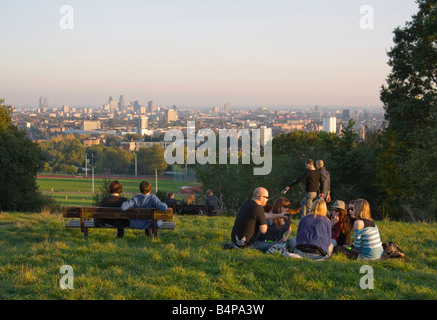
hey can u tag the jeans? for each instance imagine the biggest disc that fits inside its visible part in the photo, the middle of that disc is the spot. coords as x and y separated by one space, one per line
263 246
307 202
313 256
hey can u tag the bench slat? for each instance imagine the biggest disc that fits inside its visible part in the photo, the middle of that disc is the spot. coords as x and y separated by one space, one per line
90 224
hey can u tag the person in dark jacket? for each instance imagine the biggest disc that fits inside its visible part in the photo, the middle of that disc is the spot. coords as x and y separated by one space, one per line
114 200
212 200
327 176
313 179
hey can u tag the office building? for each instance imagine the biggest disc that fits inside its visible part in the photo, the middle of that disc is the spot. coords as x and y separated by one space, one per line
227 107
43 102
88 125
142 126
330 125
172 115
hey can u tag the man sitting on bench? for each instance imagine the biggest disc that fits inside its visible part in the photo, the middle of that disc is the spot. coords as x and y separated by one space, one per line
144 200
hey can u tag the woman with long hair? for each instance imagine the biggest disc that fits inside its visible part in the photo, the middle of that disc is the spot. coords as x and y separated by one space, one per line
313 239
341 225
278 229
367 240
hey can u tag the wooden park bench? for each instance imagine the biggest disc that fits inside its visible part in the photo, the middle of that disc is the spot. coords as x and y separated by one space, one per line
191 209
86 213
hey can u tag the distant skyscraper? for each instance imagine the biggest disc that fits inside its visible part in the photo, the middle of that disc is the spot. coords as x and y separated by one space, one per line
346 114
150 107
330 124
43 102
227 107
143 124
121 103
110 100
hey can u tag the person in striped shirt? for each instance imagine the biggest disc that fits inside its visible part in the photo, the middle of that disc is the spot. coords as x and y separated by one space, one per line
367 240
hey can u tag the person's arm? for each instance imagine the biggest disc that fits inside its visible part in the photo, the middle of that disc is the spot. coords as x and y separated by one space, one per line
286 235
270 215
300 180
263 228
129 204
358 226
161 206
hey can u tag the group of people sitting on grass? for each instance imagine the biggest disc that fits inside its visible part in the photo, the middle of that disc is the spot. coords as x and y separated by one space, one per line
319 233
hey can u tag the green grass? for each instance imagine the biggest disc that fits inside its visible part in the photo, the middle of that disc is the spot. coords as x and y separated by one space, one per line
189 263
78 190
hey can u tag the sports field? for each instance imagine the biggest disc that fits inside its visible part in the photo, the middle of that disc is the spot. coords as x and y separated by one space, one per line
73 190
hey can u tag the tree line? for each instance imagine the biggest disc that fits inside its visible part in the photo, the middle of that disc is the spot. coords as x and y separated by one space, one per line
66 154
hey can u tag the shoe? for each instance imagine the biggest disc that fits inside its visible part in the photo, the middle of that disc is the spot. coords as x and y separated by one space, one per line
291 255
276 248
149 232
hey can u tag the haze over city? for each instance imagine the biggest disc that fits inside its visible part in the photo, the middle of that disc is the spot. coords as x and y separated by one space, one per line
198 53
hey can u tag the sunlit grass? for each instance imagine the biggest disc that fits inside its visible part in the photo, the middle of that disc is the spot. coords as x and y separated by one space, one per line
189 263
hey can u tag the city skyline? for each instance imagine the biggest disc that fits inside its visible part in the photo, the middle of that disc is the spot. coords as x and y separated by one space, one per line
198 53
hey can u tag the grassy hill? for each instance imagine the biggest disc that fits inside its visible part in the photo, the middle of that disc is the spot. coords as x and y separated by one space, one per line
189 263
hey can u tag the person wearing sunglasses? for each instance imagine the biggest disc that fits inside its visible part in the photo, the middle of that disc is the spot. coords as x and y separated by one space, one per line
278 229
250 222
341 225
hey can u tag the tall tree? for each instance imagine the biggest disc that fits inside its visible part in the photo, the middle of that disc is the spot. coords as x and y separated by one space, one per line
410 94
20 161
410 102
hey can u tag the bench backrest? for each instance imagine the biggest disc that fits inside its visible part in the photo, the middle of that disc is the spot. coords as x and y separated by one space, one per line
116 213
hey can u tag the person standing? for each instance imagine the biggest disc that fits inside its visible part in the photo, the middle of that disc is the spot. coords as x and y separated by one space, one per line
113 201
313 178
144 200
327 176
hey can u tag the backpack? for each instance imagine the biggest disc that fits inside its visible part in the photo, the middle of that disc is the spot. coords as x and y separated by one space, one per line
392 251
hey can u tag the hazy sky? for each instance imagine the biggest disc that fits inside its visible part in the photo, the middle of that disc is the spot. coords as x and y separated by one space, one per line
198 52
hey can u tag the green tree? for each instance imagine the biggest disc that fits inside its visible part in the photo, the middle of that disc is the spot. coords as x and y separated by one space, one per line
410 102
150 159
19 164
410 93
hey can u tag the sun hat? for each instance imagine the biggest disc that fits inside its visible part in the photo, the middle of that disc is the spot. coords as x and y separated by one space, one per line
339 205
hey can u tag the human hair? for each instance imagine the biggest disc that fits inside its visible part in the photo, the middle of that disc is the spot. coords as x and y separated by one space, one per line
169 195
145 187
362 209
280 202
115 187
319 208
189 199
320 163
344 221
310 162
209 192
